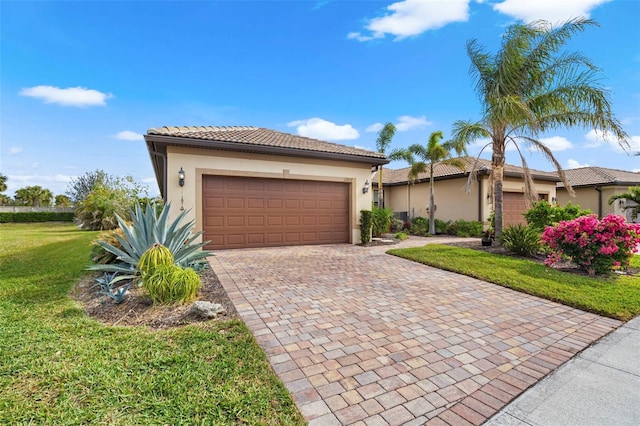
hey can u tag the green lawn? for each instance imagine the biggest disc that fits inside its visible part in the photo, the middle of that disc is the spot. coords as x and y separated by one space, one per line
616 297
57 366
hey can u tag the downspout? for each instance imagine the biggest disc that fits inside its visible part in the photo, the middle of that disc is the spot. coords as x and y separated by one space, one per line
480 199
597 188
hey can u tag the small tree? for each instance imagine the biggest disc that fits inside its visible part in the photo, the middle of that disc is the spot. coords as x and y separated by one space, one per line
63 201
97 211
632 195
79 188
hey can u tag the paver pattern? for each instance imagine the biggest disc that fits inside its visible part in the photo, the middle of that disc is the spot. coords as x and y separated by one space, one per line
360 337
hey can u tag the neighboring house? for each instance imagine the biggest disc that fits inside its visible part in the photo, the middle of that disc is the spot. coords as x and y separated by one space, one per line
452 201
594 186
255 187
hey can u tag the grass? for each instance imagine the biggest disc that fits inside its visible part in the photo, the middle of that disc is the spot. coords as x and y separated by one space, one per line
57 366
613 296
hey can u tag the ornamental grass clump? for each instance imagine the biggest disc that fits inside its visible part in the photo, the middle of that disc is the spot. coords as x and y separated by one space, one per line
155 256
172 284
596 246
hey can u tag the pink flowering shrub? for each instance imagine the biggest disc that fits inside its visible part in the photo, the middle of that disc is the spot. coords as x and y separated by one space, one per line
597 246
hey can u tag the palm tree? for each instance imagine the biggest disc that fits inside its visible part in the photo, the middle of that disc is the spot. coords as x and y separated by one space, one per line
382 143
634 196
528 88
434 152
35 196
3 182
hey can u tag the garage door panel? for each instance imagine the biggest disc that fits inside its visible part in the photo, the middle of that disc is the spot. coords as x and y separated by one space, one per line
255 239
255 203
255 212
213 202
255 220
292 204
274 203
235 221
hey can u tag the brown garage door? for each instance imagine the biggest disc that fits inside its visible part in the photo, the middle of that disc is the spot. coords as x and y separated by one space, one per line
241 212
513 206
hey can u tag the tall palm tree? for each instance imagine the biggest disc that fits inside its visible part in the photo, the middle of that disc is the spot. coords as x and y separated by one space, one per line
528 88
634 196
434 152
382 143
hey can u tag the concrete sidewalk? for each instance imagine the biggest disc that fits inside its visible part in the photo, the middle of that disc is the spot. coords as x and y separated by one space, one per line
600 386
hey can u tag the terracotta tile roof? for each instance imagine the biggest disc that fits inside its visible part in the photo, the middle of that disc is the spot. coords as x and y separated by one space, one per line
443 171
592 176
249 135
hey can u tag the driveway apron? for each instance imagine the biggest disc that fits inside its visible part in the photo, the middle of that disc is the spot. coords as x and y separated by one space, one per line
361 337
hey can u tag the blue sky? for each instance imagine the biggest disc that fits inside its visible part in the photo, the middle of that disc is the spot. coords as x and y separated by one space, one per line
81 82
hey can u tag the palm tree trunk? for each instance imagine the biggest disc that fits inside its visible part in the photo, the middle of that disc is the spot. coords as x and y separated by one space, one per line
432 205
498 177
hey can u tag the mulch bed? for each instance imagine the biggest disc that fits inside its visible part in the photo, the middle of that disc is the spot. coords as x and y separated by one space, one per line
139 310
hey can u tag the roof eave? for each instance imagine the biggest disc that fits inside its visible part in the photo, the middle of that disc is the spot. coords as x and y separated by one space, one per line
263 149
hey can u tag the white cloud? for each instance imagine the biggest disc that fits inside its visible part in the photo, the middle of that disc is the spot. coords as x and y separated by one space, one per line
407 122
323 129
375 127
557 143
13 150
71 96
128 135
413 17
554 11
597 138
635 143
574 164
149 180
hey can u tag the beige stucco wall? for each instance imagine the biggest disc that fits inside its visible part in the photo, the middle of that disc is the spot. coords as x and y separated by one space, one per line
587 198
199 162
452 202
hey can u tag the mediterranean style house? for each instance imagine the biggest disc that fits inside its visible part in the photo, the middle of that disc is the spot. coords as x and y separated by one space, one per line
255 187
594 186
411 199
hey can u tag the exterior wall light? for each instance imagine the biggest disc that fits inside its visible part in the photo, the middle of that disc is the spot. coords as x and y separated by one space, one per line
181 177
365 188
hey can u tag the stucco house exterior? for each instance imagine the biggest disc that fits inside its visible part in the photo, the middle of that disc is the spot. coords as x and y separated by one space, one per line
594 186
409 200
255 187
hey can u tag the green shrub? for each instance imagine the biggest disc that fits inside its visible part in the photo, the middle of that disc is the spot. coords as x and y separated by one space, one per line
543 214
400 236
30 217
441 226
397 225
172 284
464 228
419 226
148 227
381 220
97 212
366 222
521 240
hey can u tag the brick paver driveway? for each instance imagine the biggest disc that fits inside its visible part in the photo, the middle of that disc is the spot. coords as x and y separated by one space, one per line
361 337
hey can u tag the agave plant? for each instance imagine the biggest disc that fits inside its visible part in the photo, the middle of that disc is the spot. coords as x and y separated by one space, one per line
149 227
